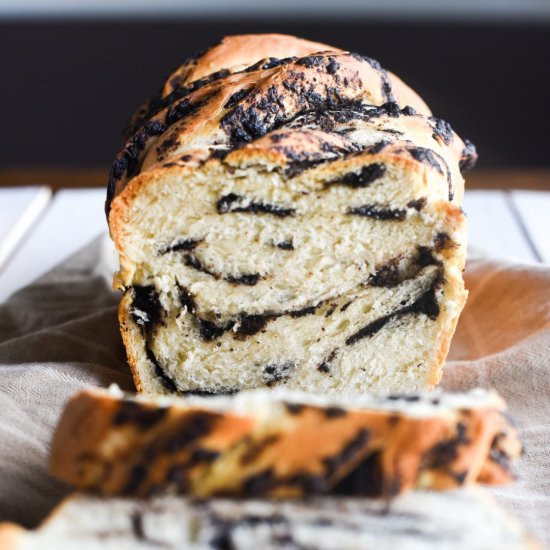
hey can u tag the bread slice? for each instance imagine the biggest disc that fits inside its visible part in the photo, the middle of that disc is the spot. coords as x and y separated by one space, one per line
295 222
282 444
464 519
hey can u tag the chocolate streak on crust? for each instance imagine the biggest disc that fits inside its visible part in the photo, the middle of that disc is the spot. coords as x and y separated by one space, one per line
442 130
426 304
195 425
367 479
348 453
141 415
263 113
263 482
386 84
233 203
445 452
257 448
158 103
127 161
429 157
469 157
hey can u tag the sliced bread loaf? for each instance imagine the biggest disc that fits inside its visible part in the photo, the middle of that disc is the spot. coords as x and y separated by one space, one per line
462 519
282 444
295 222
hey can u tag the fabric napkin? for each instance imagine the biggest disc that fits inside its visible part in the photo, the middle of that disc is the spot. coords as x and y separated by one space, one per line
60 335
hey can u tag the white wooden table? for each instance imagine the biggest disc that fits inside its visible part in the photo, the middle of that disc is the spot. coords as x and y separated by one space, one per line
39 229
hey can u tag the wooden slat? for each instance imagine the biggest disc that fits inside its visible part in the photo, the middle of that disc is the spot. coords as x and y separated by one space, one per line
494 230
20 208
73 218
534 209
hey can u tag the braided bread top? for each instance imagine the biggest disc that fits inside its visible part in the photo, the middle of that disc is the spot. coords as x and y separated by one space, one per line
293 102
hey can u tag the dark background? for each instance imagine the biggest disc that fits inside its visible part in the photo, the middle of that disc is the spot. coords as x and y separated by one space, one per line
68 88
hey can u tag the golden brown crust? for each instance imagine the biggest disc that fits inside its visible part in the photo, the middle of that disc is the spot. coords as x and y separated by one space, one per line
120 445
235 53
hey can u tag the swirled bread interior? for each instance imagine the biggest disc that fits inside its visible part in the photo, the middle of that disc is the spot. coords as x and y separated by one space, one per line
291 221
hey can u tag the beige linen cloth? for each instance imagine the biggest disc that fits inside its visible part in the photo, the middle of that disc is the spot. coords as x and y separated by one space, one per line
60 335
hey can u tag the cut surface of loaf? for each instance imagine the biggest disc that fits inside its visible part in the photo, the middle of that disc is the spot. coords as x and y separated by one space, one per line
283 444
291 220
462 519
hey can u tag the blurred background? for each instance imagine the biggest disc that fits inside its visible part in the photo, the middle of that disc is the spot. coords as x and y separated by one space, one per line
73 72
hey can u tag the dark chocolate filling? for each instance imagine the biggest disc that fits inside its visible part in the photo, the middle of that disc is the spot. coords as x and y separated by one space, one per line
324 366
445 452
367 479
417 204
295 408
184 244
235 98
247 279
442 130
161 374
234 203
146 309
430 158
393 273
273 374
426 304
197 424
363 178
378 213
335 412
256 449
349 453
286 245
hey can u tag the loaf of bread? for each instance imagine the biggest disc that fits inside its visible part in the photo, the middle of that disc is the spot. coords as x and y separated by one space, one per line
287 213
461 519
284 444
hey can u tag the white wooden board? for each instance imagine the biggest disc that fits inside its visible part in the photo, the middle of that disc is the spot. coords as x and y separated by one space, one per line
534 210
72 219
20 208
494 229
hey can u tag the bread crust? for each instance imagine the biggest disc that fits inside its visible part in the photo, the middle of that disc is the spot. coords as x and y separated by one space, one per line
281 449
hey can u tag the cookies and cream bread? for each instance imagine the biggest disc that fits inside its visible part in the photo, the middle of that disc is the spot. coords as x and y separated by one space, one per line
288 214
282 444
463 519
